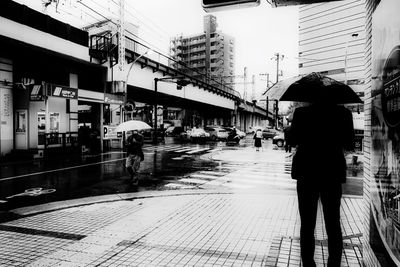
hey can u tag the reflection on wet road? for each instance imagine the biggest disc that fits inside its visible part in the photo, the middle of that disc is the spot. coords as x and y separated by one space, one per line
98 174
170 166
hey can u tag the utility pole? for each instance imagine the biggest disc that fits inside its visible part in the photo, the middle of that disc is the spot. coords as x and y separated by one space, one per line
120 83
253 89
278 57
121 36
245 84
267 98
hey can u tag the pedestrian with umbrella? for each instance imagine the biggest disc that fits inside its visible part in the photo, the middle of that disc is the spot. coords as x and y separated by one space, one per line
321 132
134 147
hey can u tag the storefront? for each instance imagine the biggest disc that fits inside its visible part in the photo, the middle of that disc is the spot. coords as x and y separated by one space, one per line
385 134
51 117
6 107
98 116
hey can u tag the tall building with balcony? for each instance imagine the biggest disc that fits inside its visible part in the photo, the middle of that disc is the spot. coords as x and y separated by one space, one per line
332 42
210 54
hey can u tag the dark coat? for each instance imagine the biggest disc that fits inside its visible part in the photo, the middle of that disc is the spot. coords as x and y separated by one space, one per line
286 133
321 134
134 146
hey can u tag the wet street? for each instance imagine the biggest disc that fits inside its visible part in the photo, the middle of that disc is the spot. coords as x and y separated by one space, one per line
167 166
196 205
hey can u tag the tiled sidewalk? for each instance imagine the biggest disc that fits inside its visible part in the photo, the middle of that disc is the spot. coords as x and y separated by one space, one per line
199 229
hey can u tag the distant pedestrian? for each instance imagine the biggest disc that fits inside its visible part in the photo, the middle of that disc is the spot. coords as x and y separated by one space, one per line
327 128
286 133
257 139
135 156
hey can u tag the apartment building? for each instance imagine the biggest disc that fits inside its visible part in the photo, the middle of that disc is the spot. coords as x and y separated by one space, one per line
211 53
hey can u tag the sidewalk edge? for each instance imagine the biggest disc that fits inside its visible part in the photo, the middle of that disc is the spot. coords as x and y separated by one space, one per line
59 205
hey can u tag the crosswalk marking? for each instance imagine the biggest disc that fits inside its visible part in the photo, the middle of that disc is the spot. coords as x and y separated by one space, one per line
239 178
184 149
202 176
213 173
197 150
193 181
178 149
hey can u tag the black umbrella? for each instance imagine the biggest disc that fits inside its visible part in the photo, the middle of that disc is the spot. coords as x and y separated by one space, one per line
313 87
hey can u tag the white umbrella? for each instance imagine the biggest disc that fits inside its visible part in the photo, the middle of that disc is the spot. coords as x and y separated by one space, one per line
132 125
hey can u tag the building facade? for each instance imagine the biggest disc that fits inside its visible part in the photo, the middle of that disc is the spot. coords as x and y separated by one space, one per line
210 54
357 42
45 75
332 42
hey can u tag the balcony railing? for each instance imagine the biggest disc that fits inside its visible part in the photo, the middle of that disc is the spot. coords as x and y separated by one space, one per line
170 65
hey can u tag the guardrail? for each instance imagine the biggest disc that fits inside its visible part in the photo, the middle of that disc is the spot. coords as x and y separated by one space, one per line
52 140
156 58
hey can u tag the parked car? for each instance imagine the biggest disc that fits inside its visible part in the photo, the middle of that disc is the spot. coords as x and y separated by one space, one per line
217 132
173 131
268 133
279 140
195 135
239 132
253 129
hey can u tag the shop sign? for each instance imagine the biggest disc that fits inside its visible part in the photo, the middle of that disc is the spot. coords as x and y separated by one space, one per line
113 99
36 93
110 133
62 91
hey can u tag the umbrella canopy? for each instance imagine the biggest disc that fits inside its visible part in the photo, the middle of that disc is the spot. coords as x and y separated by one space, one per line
312 88
132 125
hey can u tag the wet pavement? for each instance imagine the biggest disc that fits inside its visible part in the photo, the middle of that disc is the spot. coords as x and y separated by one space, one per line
236 207
91 175
169 165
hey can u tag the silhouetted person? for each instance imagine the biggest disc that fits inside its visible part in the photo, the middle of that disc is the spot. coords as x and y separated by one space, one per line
286 134
257 139
321 132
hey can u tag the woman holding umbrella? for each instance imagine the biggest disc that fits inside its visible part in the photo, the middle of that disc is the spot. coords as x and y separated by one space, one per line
133 147
135 155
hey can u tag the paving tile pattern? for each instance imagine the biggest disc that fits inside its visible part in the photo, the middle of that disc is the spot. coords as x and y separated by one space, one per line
191 230
252 221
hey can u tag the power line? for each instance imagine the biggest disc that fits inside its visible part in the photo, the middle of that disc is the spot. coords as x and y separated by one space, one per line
149 19
133 34
149 45
145 27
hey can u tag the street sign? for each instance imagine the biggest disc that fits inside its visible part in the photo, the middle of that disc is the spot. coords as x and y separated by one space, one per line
110 133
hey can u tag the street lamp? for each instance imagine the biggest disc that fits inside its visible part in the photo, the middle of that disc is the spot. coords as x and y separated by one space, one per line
148 52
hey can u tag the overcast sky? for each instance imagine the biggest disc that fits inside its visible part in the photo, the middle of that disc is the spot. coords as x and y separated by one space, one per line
260 32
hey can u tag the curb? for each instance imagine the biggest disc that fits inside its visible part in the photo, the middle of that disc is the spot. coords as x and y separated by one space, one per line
65 204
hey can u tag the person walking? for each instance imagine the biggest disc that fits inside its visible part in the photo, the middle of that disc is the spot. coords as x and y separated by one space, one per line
257 139
286 137
135 156
321 132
